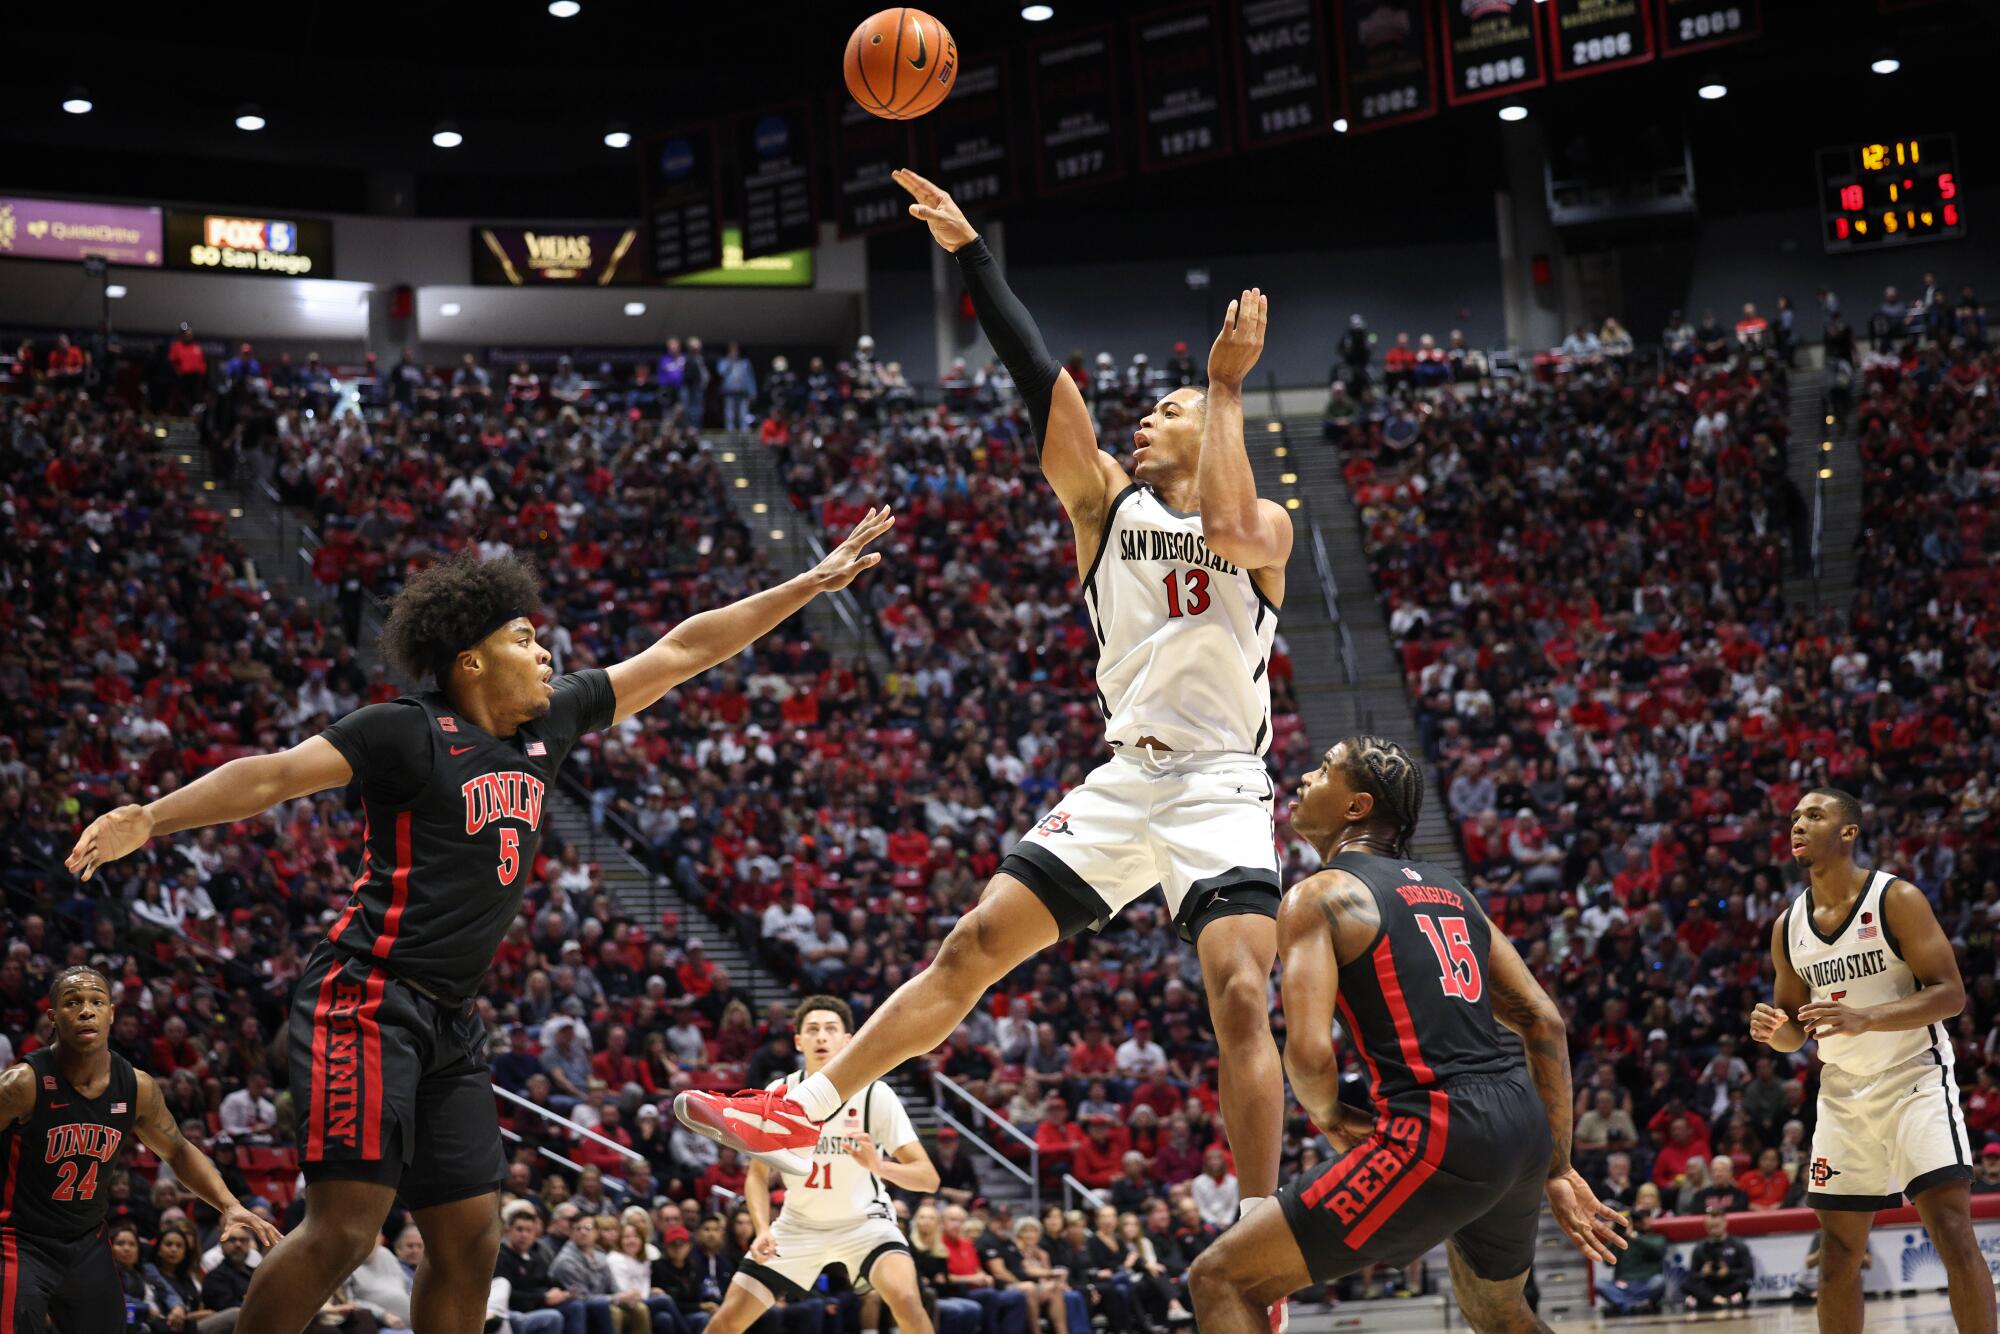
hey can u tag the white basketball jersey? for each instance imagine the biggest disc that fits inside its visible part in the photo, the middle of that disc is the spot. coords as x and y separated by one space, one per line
1183 636
1859 965
838 1189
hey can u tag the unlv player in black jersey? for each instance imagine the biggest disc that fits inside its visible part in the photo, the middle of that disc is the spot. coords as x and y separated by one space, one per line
1464 1141
388 1055
65 1114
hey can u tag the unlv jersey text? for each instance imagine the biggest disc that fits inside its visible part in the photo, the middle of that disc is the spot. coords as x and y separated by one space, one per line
83 1141
505 796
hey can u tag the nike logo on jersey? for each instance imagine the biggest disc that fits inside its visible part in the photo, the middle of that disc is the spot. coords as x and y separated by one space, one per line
57 1106
460 750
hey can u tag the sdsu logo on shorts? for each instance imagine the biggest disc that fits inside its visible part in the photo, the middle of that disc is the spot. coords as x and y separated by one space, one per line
1822 1172
1055 823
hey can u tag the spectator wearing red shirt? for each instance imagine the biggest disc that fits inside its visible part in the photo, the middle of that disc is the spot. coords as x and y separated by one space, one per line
1982 1104
1100 1158
697 970
1155 1092
728 1173
66 363
1399 364
174 1051
1765 1185
909 847
1092 1056
1057 1137
609 1126
615 1065
1681 1148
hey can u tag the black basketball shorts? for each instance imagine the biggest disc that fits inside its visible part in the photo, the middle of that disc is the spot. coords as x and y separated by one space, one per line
74 1281
1467 1160
391 1086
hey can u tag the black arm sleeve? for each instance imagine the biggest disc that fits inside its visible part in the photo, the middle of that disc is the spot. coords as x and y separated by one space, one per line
1012 332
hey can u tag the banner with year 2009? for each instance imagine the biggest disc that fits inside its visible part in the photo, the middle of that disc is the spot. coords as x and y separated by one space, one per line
1696 25
1491 48
1388 70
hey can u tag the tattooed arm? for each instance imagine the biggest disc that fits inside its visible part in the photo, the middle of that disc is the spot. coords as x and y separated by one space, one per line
1319 915
1520 1004
192 1168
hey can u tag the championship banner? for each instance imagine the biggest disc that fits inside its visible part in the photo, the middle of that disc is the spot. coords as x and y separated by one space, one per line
866 149
1076 126
1491 49
774 194
684 202
1178 57
558 255
1696 25
232 243
65 230
1386 72
1282 89
969 155
1591 36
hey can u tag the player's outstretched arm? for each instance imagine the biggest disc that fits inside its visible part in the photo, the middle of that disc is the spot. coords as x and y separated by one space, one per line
1084 477
234 791
1774 1025
1940 995
702 641
1255 534
159 1132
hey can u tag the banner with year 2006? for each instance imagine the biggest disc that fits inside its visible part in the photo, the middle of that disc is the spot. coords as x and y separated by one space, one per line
1076 118
1592 36
1491 48
1388 73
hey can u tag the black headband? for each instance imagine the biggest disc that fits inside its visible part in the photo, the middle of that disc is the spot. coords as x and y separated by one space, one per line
443 667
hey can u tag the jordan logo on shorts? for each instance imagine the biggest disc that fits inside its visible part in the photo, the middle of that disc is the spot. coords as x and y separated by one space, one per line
1823 1172
1055 823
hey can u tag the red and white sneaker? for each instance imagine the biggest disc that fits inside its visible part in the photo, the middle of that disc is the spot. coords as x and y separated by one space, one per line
760 1122
1281 1316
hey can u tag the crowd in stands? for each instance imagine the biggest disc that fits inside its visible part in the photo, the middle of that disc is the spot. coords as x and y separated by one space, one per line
1586 576
1586 581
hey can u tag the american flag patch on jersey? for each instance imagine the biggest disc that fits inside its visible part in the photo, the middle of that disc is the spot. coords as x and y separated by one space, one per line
1868 933
538 748
447 724
118 1109
49 1083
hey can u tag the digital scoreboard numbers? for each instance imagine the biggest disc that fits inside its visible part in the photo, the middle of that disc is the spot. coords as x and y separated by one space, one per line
1891 192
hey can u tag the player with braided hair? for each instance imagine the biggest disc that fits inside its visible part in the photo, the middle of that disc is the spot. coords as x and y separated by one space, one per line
1465 1140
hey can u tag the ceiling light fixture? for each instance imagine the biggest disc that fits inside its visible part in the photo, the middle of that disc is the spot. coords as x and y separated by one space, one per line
617 136
446 135
1513 112
565 9
77 103
635 308
250 118
1038 13
1712 92
449 308
1340 125
115 292
1886 65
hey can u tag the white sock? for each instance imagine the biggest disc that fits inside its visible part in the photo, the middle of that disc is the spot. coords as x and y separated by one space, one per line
817 1097
1246 1204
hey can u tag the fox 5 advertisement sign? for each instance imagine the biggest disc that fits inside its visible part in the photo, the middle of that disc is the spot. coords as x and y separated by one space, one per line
231 243
1900 1258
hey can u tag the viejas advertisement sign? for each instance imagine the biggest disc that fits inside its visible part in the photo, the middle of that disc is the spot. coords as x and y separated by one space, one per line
558 255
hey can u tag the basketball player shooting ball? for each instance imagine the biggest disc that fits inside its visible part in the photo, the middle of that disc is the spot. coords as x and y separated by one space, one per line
388 1054
1863 967
1183 570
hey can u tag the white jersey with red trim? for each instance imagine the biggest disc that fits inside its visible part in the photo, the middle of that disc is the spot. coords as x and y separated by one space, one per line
838 1190
1860 964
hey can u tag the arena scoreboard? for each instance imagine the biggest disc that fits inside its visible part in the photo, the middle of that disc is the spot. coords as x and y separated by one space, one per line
1891 192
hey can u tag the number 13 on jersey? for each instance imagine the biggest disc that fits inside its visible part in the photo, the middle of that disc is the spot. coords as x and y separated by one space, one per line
1197 593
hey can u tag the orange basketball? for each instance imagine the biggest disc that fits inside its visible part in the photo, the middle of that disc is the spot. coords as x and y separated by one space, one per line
900 63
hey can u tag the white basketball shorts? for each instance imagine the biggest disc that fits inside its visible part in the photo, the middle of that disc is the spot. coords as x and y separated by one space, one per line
1198 825
806 1249
1883 1136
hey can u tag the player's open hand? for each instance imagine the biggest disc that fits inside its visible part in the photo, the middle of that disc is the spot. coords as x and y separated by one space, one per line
948 225
110 836
852 556
764 1247
861 1148
1594 1226
1241 341
238 1219
1765 1021
1833 1019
